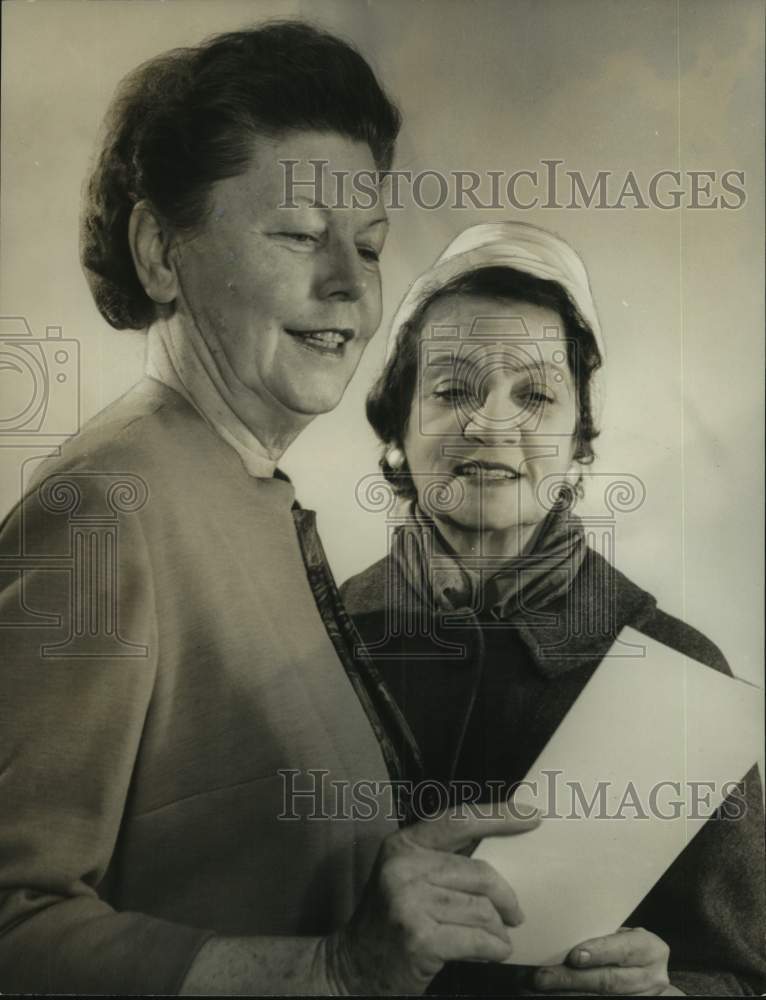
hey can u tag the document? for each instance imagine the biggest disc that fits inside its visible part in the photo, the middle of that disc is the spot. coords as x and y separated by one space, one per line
650 749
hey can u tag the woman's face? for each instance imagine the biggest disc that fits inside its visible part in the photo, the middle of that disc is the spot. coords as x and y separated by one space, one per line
285 298
493 413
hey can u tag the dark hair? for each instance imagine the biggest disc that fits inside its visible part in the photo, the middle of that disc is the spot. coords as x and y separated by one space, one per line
188 118
390 399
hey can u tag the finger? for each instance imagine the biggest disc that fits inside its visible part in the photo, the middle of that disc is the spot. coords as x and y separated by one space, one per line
630 946
479 878
606 980
469 944
456 827
446 906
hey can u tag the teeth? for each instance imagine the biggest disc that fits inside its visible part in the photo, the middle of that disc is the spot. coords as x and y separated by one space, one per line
472 471
328 338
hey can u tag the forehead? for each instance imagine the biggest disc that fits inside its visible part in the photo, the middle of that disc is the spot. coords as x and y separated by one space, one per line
281 175
477 317
471 328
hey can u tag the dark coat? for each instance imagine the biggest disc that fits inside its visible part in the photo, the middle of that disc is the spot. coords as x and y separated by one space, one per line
709 905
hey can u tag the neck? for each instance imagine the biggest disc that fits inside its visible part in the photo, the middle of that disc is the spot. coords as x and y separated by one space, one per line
507 543
180 356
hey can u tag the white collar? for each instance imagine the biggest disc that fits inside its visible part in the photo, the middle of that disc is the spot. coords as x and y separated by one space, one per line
184 363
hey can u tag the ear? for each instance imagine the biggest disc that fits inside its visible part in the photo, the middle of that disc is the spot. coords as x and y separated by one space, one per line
150 247
572 477
395 458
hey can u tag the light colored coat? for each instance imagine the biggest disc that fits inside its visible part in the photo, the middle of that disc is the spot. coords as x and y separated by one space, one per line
139 784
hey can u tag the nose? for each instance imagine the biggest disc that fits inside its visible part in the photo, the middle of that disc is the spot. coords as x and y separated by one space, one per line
343 276
496 421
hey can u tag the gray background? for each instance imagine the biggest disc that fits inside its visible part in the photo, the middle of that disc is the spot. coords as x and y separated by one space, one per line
601 84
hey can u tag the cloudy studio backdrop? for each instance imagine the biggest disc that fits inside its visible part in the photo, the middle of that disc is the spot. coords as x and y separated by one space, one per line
599 85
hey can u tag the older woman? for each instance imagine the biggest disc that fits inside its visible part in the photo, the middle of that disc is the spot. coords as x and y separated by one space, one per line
491 611
174 657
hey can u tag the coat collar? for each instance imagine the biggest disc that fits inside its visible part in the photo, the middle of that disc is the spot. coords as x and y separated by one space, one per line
574 630
578 628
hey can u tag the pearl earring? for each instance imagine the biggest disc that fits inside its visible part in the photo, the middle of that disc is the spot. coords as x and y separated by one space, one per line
395 458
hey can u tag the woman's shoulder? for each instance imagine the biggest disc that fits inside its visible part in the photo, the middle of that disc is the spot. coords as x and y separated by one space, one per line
145 444
637 608
134 425
150 432
684 638
365 592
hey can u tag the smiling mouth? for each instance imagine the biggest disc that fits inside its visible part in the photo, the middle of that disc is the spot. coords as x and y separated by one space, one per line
486 471
329 341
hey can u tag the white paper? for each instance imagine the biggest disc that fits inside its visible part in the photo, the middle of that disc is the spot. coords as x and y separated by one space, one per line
640 721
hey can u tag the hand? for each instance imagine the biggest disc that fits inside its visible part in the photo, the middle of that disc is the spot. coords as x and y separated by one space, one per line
425 905
632 962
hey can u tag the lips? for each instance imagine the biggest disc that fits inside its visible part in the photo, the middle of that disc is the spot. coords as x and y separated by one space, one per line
330 340
483 470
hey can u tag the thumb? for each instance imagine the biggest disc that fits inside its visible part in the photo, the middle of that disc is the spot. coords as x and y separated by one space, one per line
459 826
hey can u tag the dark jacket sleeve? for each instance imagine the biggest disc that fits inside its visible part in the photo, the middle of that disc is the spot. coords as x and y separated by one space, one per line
70 730
710 905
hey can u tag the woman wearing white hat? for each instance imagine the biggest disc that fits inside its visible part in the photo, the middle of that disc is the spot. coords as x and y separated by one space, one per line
487 408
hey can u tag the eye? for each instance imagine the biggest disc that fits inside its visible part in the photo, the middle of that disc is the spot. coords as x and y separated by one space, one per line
451 393
539 394
307 239
369 253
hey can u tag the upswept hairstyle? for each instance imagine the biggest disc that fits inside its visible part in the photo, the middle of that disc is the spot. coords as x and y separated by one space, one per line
389 402
188 118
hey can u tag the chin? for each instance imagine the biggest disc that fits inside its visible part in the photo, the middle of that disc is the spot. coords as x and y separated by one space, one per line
471 519
316 407
311 402
486 527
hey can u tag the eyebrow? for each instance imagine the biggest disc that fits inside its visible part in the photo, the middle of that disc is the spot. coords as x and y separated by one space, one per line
304 199
382 221
446 360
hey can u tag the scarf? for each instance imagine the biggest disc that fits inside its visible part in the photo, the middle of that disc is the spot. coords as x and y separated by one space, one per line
434 574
